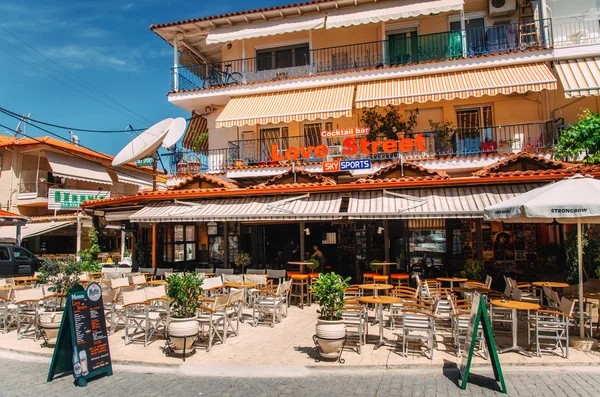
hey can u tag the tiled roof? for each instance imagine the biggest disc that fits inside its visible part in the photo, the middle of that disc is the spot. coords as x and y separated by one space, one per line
217 182
422 174
6 214
6 141
515 158
336 73
274 183
565 172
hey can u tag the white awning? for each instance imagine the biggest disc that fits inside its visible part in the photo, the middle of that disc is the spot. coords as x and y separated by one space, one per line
119 215
306 207
443 202
579 77
269 28
76 168
134 178
9 233
390 11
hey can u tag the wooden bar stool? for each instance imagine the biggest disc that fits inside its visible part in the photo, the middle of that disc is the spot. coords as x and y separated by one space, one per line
290 274
299 289
400 278
368 277
381 279
311 277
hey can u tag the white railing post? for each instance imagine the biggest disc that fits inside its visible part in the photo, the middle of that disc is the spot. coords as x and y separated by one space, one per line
463 33
175 65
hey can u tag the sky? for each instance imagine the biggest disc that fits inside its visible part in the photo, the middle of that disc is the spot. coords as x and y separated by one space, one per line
105 43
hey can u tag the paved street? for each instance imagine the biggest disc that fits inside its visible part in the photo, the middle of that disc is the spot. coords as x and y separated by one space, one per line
27 378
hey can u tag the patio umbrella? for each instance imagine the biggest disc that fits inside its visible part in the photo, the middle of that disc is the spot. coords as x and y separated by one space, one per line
574 200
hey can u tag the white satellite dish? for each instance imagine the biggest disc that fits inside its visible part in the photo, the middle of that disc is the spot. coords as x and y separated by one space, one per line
176 131
144 144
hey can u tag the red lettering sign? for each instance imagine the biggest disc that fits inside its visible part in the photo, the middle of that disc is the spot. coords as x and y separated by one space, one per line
331 166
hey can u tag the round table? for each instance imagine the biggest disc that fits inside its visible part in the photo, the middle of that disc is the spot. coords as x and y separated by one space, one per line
376 288
452 280
300 265
549 284
385 266
471 290
157 282
514 306
25 279
379 302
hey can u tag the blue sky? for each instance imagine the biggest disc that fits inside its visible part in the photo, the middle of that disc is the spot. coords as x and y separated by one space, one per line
108 44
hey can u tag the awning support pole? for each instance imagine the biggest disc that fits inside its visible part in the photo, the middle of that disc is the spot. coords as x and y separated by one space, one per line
225 246
386 240
154 244
18 236
580 258
123 237
302 250
79 233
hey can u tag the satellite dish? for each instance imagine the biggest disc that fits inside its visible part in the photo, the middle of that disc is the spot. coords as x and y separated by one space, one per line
176 131
144 144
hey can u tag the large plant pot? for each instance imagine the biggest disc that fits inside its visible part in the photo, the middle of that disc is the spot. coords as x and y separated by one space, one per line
330 335
182 332
50 324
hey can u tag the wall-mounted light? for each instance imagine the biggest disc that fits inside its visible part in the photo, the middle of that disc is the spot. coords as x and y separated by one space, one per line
307 231
380 230
229 46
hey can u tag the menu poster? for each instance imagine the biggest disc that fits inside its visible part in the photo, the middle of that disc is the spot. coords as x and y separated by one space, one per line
82 343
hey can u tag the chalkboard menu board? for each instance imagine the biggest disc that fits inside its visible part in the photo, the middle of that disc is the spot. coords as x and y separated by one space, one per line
82 343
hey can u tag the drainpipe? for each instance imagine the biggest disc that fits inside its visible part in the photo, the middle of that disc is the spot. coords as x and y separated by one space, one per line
383 43
79 233
175 65
545 24
463 33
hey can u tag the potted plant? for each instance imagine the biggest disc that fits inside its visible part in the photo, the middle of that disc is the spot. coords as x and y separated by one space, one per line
328 290
473 270
241 259
61 275
375 266
443 132
184 292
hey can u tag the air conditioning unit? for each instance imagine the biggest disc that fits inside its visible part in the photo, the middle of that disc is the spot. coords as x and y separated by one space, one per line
500 8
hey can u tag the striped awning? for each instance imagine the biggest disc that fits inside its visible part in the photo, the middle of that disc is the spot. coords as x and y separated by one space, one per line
305 207
442 202
284 107
196 126
579 77
457 85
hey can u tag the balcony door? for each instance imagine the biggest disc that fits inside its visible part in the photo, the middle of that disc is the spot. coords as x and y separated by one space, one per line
473 127
403 47
270 136
475 34
278 58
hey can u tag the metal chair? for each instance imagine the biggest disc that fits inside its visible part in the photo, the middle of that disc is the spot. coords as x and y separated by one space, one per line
136 315
256 271
27 303
219 271
418 323
268 304
212 316
553 326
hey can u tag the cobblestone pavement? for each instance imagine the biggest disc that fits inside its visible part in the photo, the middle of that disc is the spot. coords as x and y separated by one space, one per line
28 378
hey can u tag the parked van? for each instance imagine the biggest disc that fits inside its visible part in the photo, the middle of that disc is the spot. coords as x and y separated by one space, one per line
17 261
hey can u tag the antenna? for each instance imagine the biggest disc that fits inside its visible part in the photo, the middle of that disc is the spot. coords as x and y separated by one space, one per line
73 138
21 128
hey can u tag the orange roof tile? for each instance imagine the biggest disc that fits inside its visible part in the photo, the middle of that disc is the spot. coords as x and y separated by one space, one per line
412 168
275 182
204 178
515 158
6 214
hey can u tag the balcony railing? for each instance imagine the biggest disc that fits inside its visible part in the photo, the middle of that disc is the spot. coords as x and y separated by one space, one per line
392 52
581 30
36 189
211 160
462 142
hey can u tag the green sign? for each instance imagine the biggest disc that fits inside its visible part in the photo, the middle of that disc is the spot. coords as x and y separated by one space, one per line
82 343
59 199
479 315
144 162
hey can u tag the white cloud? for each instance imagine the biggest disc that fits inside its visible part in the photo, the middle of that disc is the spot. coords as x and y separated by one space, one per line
79 57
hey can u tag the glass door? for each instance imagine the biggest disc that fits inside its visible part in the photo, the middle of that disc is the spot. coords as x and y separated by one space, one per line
403 48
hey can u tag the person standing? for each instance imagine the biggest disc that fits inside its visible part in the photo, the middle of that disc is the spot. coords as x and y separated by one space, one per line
290 251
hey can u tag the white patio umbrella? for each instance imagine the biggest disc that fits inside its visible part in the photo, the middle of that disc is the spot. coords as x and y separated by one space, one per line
574 200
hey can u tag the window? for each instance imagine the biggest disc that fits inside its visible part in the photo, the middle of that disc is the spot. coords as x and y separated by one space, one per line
4 254
282 57
269 136
312 133
22 255
403 47
180 243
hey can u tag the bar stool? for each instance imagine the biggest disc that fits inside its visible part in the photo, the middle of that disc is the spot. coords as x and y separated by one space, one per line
400 278
368 277
311 277
299 289
378 278
290 274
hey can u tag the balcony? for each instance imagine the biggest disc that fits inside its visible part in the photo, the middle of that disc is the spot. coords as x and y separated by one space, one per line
463 142
205 161
571 31
392 52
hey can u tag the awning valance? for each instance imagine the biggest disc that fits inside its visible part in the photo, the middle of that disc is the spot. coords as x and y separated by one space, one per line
9 233
382 12
269 28
579 77
306 207
442 202
284 107
457 85
70 167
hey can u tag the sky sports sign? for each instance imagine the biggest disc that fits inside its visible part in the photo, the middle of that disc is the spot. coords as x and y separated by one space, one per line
346 165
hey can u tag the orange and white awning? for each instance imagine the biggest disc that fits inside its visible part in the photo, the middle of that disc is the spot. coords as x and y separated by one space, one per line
457 85
579 77
284 107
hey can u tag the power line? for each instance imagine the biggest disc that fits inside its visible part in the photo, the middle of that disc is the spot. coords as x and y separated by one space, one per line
9 112
60 81
73 74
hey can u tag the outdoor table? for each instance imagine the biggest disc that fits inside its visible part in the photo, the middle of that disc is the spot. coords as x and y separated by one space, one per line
471 290
25 280
452 280
376 288
157 282
386 266
300 265
514 306
379 302
549 284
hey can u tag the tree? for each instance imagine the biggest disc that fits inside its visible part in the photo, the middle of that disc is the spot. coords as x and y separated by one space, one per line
581 140
89 256
389 123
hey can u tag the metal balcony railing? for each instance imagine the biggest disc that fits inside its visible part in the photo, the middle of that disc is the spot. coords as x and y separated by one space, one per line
392 52
574 31
462 142
210 160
